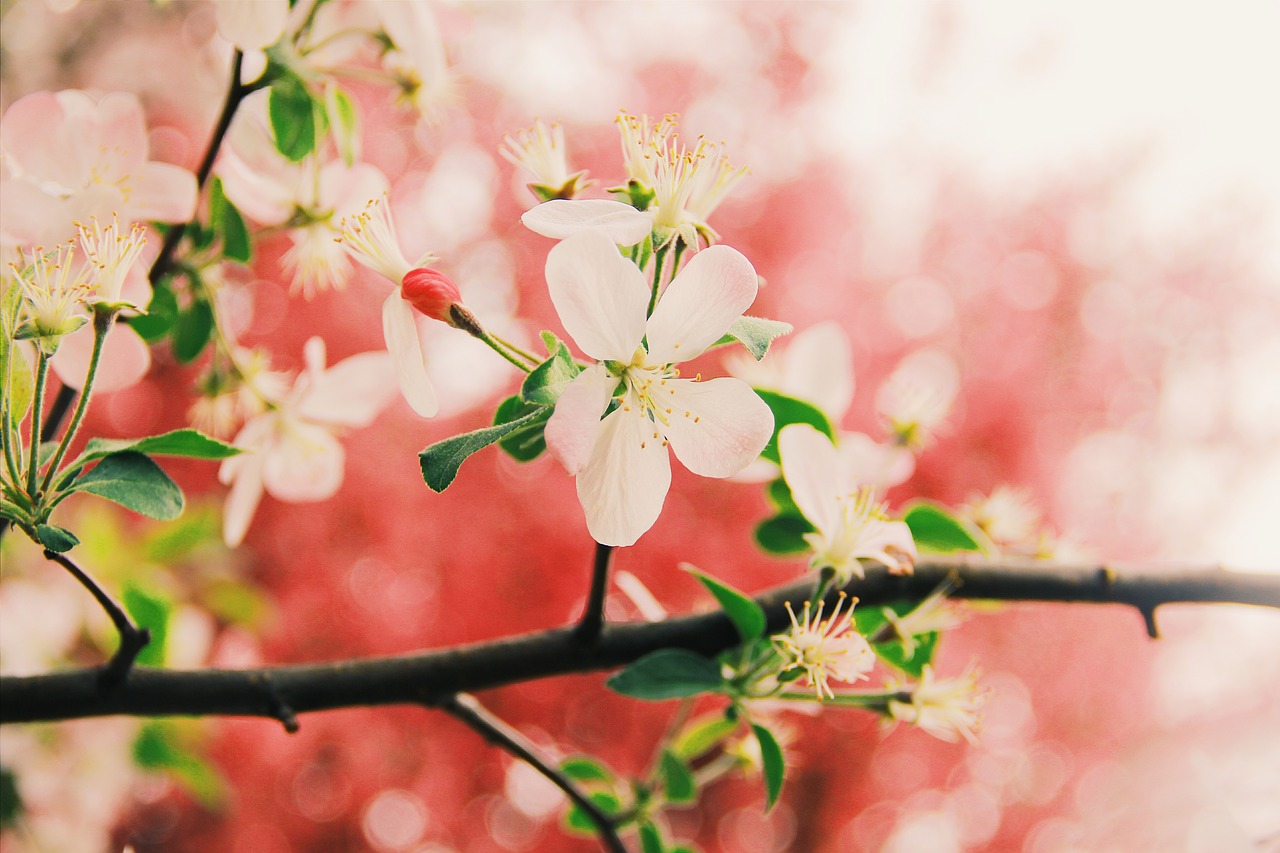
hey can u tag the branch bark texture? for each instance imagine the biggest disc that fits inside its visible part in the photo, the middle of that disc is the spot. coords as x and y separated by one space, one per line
430 677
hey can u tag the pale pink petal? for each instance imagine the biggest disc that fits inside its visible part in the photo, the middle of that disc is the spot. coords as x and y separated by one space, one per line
698 307
574 426
867 462
251 24
36 146
718 427
164 193
623 486
621 223
31 217
812 472
601 297
125 359
346 190
264 197
305 464
817 366
121 136
401 332
244 473
352 392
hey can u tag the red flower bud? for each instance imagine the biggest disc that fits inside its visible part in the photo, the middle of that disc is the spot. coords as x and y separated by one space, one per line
431 293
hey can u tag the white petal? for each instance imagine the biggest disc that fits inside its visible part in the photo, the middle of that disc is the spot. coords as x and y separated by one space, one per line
305 464
698 307
867 462
817 366
251 24
125 359
560 218
575 424
243 499
401 332
812 472
352 392
624 484
717 428
601 297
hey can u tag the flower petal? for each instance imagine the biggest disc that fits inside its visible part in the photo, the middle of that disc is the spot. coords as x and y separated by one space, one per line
352 392
574 426
812 472
163 192
601 297
866 462
712 291
623 486
401 332
251 24
561 218
817 366
305 464
244 473
717 428
125 359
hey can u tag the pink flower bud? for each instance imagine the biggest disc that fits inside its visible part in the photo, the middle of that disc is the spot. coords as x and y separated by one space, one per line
431 293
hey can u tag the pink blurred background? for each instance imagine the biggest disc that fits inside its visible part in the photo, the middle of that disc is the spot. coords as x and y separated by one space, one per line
1077 207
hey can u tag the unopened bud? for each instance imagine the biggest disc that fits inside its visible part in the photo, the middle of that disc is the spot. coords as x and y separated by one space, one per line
431 293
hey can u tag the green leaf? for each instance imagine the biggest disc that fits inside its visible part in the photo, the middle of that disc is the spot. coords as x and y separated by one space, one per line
547 381
292 113
56 539
226 220
584 769
343 123
157 748
527 443
162 313
783 534
650 838
10 799
747 616
576 820
13 360
133 481
180 442
779 494
440 461
869 621
755 333
703 736
677 780
774 766
935 529
151 611
192 331
668 674
789 410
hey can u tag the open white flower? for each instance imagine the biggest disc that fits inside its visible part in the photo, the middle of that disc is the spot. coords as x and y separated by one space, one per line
825 649
948 709
849 524
715 427
540 152
292 451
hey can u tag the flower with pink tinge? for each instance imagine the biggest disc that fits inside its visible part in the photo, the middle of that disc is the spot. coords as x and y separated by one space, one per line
935 613
825 649
67 157
540 152
947 709
849 524
251 24
370 237
416 60
716 427
291 449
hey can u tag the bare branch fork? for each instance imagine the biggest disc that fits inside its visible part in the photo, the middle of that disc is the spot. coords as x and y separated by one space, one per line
429 677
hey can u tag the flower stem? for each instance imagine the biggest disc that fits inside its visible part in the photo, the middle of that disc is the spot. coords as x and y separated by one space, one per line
37 410
659 256
498 347
103 318
523 353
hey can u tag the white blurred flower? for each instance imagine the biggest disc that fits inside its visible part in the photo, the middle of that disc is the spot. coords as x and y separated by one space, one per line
917 396
251 24
540 152
825 649
1009 517
417 61
935 613
948 709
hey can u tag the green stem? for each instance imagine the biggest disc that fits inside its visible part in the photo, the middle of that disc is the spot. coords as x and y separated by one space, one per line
37 408
523 353
11 436
103 318
659 256
869 699
501 350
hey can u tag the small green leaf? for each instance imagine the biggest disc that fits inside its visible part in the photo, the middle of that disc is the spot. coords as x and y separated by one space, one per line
180 442
935 529
747 616
192 331
703 736
157 748
527 443
783 534
133 481
668 674
151 611
10 799
162 313
576 820
870 620
755 333
292 113
584 769
440 461
56 539
343 122
226 221
773 764
547 381
677 780
789 410
650 838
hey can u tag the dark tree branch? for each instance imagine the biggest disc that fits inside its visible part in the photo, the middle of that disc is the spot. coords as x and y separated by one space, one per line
132 638
427 678
468 709
592 621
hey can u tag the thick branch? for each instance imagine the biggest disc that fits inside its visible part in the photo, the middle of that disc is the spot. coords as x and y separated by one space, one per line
427 678
467 709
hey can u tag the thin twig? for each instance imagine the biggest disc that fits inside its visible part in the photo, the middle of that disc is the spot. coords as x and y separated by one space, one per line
425 678
475 716
132 638
592 621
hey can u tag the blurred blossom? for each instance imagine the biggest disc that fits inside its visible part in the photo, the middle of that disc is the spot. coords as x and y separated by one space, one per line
234 393
917 396
251 24
416 61
291 449
825 649
935 613
814 365
1010 518
540 152
948 709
